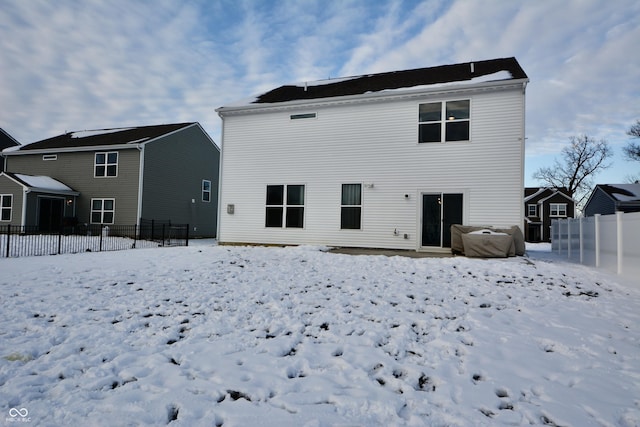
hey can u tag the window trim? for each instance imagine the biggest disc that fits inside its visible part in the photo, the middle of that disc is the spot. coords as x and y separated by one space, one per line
535 209
106 164
51 157
285 205
558 210
102 211
443 121
5 208
204 191
343 206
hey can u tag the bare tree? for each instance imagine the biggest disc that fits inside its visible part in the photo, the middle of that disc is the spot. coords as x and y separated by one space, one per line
632 149
581 160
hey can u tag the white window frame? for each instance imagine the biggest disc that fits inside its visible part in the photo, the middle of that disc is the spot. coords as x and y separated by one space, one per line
4 208
535 209
285 206
102 211
342 206
50 157
558 209
106 164
444 120
206 193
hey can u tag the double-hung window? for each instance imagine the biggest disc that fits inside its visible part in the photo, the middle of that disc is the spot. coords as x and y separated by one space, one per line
206 190
558 209
285 206
351 207
6 203
103 211
532 210
444 121
106 164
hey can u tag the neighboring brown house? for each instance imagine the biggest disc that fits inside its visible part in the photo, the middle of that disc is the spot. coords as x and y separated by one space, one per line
607 199
541 206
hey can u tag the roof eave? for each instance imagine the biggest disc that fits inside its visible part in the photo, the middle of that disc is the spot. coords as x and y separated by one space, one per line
113 147
383 95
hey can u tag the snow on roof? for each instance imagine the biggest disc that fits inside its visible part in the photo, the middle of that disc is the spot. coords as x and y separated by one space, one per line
623 192
422 78
42 182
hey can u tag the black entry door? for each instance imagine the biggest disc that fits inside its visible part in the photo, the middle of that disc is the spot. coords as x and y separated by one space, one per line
439 212
50 214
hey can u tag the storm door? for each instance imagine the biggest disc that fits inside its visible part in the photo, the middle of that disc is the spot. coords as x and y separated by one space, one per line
439 212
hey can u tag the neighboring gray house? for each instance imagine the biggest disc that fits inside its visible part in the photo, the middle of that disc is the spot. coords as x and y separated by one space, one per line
6 141
607 199
114 176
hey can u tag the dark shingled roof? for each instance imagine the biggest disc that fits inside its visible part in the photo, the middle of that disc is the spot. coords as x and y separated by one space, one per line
7 140
101 137
394 80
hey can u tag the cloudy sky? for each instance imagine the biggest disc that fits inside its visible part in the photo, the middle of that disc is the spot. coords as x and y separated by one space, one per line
74 65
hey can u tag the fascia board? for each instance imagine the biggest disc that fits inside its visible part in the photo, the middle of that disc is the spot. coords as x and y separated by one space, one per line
385 95
114 147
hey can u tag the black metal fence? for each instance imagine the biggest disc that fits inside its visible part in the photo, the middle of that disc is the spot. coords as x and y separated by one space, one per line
18 241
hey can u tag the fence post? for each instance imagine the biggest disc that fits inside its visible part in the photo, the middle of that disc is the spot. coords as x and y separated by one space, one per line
187 239
8 238
619 251
135 235
596 224
100 248
568 238
59 241
581 242
163 225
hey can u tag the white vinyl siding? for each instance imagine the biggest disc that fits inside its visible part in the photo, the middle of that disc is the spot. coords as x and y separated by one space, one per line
373 143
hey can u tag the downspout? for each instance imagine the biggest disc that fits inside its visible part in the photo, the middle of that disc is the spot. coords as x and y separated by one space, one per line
140 184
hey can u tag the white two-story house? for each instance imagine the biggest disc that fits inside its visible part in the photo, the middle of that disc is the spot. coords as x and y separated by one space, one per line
387 160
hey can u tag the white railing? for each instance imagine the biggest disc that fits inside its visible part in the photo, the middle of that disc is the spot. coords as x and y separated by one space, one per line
605 241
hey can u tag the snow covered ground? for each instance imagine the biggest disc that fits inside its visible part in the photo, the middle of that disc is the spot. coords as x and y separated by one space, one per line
211 335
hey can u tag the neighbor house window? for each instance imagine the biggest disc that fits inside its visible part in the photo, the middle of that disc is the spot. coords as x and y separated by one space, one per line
103 211
302 116
106 164
6 203
444 121
49 157
206 190
558 209
351 206
532 210
285 206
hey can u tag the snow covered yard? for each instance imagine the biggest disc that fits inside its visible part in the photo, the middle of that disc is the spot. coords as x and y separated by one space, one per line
234 336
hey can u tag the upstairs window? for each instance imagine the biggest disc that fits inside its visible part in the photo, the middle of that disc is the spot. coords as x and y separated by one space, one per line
532 210
206 190
6 203
558 209
285 206
444 121
351 207
106 164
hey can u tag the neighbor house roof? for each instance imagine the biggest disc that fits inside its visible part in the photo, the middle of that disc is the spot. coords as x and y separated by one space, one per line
100 138
467 72
533 193
7 140
622 192
40 183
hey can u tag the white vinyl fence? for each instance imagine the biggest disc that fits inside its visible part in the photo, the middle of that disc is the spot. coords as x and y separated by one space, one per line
611 242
